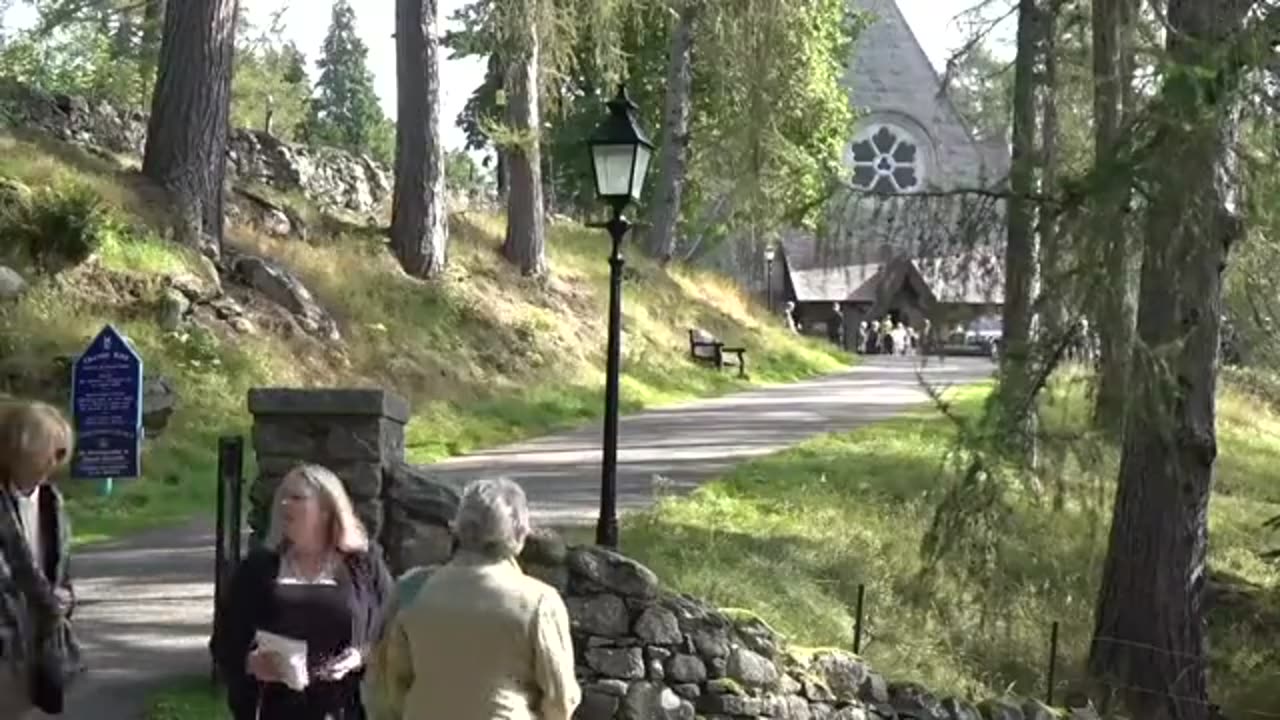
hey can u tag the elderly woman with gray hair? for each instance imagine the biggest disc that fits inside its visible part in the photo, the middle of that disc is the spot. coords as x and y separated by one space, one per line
481 640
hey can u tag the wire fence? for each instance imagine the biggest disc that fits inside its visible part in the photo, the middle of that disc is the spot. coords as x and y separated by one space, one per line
864 638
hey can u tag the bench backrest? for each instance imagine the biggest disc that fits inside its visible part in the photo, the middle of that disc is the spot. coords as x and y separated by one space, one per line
702 344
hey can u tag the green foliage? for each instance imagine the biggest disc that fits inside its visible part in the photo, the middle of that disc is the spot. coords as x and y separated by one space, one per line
981 86
104 49
77 60
345 111
770 115
1252 288
270 76
382 141
55 226
463 175
770 111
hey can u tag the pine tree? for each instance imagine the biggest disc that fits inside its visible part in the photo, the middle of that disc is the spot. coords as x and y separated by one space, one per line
186 150
345 111
419 226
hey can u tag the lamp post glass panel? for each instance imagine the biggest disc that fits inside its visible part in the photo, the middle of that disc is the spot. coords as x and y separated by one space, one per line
769 251
620 153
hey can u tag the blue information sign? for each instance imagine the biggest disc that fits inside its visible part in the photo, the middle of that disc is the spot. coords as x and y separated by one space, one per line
106 404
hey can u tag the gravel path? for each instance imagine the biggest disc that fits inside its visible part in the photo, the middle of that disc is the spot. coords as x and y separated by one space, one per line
146 601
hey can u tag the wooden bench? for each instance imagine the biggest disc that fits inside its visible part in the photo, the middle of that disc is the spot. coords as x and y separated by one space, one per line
705 348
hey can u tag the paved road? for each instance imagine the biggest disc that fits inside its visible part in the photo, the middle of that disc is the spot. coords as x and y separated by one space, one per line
146 601
690 443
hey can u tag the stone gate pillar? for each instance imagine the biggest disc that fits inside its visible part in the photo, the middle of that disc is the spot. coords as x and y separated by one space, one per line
359 434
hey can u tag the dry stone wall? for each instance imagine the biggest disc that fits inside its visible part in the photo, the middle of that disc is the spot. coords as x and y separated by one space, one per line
643 653
333 179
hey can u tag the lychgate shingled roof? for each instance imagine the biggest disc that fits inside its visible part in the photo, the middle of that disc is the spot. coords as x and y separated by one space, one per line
968 279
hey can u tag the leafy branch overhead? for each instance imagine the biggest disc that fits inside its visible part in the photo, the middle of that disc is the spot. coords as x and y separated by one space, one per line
789 146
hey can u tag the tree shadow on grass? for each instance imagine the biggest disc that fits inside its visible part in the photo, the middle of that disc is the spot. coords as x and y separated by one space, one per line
143 197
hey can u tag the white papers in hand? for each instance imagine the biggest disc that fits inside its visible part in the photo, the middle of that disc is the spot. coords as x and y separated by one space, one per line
292 652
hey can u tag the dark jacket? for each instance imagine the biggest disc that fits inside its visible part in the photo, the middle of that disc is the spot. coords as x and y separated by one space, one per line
241 611
31 615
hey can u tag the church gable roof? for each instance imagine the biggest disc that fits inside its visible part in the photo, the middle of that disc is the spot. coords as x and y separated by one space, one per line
890 80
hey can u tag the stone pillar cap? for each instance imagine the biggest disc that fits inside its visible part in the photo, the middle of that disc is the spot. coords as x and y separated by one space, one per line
328 401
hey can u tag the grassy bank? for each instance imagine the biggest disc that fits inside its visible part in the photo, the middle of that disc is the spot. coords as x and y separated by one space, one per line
484 355
792 536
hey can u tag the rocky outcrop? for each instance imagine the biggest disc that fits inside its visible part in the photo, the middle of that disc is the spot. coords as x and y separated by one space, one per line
75 120
285 289
159 400
333 179
273 218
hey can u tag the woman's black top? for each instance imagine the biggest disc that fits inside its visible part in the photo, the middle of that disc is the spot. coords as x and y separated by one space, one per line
319 614
329 617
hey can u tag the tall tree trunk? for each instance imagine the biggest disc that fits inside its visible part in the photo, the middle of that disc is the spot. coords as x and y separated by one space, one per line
152 24
1055 290
495 77
1021 242
675 137
186 150
418 220
1149 638
1112 78
525 244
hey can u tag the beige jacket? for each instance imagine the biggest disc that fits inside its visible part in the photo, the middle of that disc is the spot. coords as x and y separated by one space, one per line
481 641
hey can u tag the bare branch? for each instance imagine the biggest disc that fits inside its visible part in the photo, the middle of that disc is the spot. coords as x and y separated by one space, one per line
973 43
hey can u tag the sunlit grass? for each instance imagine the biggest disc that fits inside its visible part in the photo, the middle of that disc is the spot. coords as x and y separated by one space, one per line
484 355
145 253
487 356
793 535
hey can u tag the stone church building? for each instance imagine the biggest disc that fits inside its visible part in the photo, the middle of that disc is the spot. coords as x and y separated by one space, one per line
900 246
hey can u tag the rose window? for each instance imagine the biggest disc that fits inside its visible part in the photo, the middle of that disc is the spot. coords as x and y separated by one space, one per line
887 161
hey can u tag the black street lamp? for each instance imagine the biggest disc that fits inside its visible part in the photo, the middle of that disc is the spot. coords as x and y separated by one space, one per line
620 153
769 251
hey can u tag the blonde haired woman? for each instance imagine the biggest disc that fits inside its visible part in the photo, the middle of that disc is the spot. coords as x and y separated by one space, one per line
315 580
482 640
38 653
